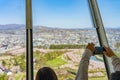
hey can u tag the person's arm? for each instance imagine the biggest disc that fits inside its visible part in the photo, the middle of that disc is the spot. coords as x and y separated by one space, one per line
116 63
82 73
115 59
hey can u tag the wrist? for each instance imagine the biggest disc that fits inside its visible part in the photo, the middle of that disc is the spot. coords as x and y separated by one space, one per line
89 51
113 57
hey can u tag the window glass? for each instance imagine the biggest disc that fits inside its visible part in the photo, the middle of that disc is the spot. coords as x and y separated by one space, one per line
12 40
61 30
111 17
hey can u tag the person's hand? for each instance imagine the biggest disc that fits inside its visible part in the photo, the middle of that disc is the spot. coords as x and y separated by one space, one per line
90 46
108 52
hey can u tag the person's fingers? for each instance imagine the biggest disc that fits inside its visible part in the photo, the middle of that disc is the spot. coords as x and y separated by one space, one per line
104 46
92 44
110 54
104 52
106 49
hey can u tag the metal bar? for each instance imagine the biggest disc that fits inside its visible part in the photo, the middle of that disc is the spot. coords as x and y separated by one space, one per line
29 38
98 24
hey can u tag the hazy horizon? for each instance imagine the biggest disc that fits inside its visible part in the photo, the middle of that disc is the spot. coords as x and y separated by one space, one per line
34 26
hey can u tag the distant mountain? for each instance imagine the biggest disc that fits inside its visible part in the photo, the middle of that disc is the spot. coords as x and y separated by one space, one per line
21 26
12 26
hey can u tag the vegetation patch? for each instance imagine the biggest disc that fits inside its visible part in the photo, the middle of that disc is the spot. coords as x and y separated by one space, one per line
66 46
56 62
98 78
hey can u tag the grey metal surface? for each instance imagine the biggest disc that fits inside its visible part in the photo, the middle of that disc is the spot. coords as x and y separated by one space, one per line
98 24
29 42
29 14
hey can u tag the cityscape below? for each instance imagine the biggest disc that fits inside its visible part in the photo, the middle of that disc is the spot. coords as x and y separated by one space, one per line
14 35
64 61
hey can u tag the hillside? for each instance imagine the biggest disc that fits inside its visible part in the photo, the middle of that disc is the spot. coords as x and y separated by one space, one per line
64 61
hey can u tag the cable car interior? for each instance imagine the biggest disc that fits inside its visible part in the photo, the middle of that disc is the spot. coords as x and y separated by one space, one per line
54 33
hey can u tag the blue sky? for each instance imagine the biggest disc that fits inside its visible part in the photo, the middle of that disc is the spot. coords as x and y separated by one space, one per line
59 13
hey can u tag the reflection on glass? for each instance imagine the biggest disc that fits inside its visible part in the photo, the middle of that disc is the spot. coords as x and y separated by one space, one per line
62 29
12 40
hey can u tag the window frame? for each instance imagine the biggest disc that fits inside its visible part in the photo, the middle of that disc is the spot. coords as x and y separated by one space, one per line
97 21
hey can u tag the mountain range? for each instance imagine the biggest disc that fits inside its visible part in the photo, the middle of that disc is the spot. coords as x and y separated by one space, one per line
11 26
21 26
